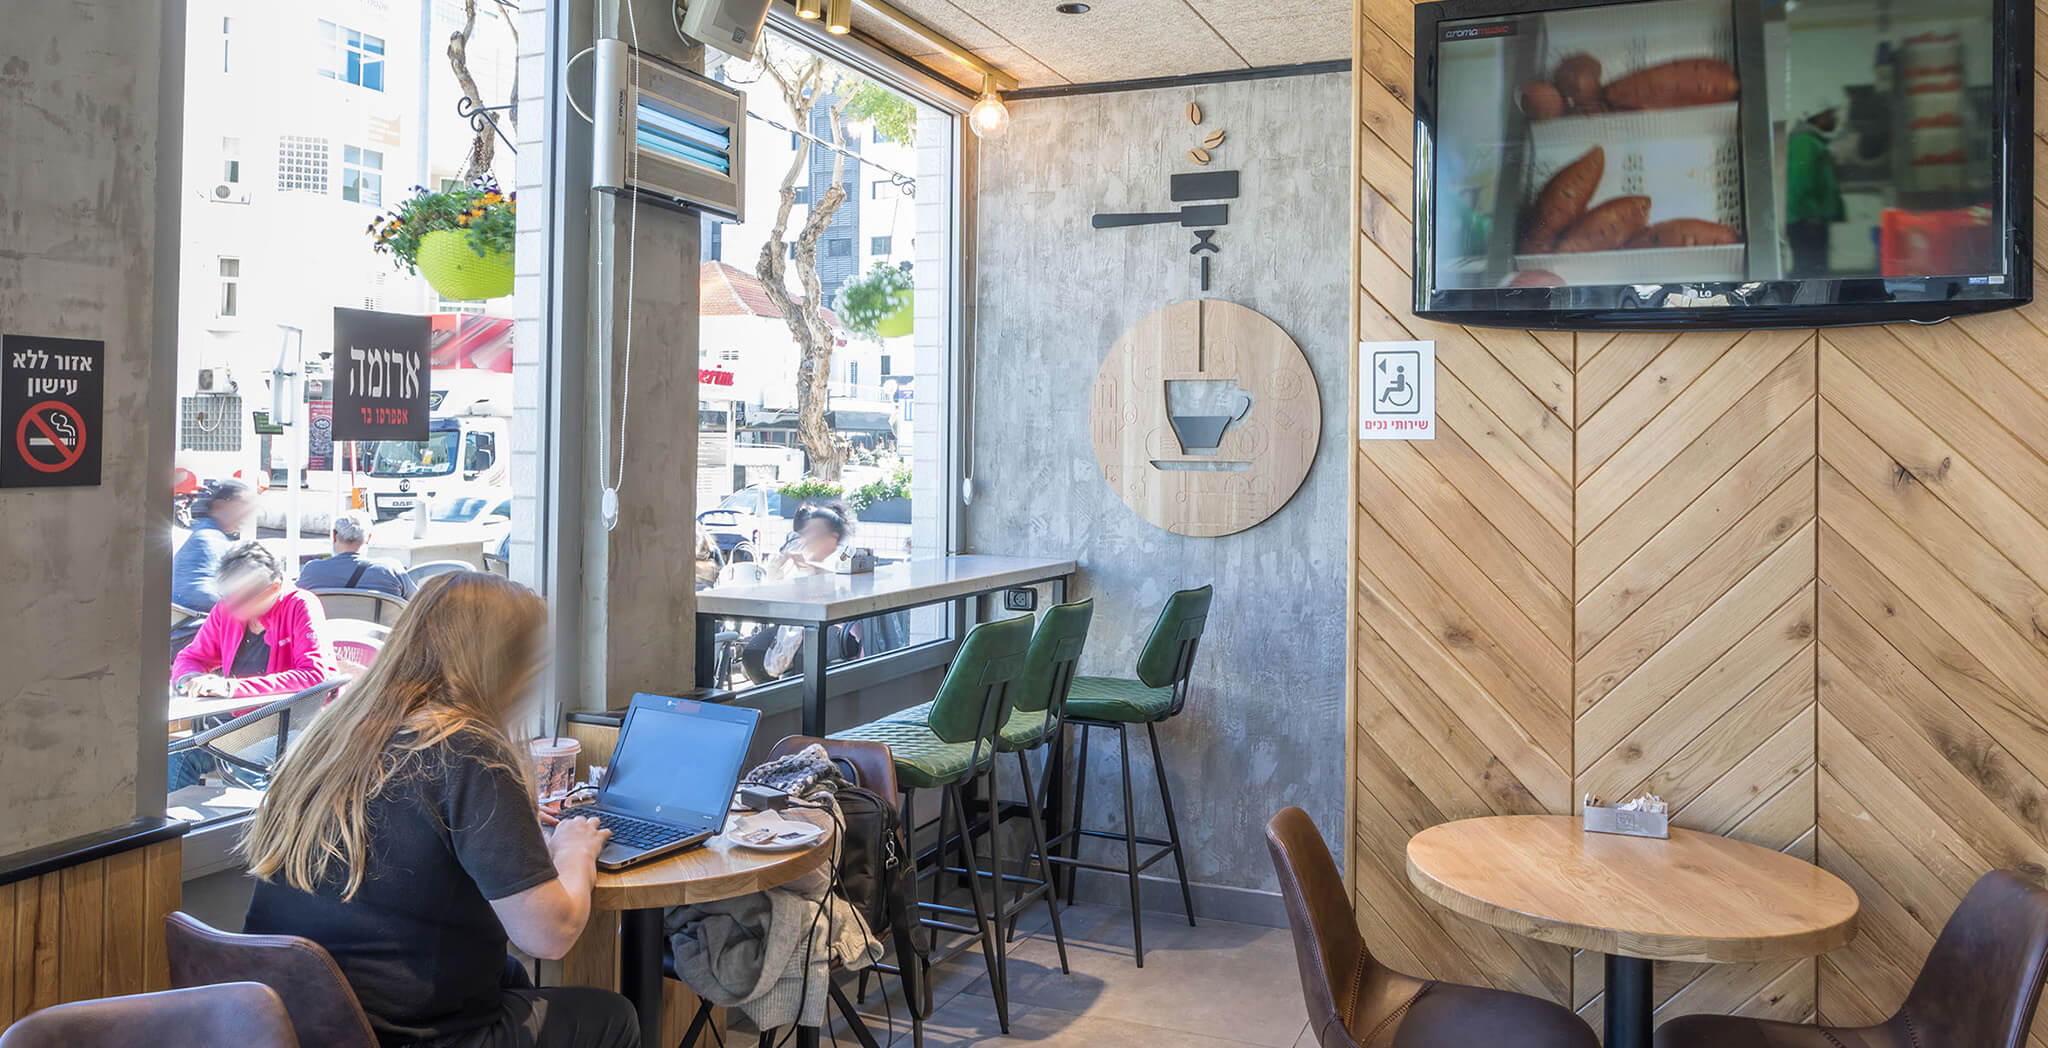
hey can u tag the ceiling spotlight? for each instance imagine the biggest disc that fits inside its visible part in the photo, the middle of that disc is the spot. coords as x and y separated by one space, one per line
1072 9
839 17
810 10
989 118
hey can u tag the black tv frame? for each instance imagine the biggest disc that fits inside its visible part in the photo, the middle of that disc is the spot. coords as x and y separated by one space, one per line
1753 304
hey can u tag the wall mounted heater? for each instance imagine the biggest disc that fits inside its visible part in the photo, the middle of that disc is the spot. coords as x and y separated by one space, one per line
690 133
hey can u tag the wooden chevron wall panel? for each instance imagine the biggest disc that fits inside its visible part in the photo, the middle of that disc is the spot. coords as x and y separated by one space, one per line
1462 584
1795 582
1934 602
1693 626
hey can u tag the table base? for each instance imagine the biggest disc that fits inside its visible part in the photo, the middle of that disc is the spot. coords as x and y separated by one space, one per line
1630 1003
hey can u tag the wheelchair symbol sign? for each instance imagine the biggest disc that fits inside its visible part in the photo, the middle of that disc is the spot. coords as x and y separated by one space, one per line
1397 401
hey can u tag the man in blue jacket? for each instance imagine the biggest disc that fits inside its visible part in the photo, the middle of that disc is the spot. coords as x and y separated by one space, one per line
348 569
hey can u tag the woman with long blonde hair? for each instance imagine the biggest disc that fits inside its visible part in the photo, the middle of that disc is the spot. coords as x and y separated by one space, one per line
400 833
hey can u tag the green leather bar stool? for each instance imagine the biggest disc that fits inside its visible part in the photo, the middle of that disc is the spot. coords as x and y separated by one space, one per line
1159 692
1037 709
953 745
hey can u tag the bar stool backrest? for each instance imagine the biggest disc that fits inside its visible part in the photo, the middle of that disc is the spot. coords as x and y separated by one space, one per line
1169 653
1049 666
974 697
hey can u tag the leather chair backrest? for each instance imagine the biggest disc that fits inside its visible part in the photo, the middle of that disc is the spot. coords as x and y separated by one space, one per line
241 1014
874 767
1169 652
988 664
1328 949
1055 647
323 1009
1982 980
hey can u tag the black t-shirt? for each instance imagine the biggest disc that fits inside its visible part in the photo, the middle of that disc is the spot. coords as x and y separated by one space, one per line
252 656
419 942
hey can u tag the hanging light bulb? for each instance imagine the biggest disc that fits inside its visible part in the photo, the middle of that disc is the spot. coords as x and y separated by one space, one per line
989 118
810 10
839 17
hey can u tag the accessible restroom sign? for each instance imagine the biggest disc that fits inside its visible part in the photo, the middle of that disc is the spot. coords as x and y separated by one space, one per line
52 391
1397 391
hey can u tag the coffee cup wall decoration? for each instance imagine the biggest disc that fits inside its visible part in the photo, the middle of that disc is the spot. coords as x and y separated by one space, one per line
1205 417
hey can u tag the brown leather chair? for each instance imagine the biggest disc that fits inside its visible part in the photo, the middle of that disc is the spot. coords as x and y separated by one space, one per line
1978 988
873 769
1354 1001
323 1009
242 1014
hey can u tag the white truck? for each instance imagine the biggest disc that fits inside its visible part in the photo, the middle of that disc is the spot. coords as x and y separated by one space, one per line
467 450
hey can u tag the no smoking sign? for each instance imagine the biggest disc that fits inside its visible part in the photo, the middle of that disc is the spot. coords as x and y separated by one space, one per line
51 394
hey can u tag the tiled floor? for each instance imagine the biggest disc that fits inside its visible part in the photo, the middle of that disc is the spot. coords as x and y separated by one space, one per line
1218 985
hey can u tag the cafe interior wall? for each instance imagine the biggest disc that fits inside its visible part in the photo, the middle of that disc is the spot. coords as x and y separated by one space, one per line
1264 725
1792 581
82 582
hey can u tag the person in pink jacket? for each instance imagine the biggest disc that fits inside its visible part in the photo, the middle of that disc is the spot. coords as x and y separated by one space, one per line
264 637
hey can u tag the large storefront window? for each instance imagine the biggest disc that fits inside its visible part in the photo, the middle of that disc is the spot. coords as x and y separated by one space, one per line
822 346
330 114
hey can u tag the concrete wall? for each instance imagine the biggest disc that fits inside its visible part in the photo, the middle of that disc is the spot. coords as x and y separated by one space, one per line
82 586
1265 725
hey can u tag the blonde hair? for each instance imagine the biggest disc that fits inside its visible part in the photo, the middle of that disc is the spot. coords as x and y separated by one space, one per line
459 659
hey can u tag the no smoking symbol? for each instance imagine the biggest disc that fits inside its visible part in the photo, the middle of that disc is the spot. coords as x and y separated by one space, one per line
50 427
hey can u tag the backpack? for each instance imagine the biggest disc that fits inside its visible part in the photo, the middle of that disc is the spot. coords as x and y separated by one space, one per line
876 873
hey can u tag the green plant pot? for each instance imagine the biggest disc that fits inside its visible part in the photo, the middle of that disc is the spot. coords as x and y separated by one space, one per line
456 271
899 320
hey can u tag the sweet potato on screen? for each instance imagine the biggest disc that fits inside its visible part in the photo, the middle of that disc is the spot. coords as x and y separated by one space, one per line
1686 82
1578 80
1534 278
1540 101
1606 227
1684 232
1562 200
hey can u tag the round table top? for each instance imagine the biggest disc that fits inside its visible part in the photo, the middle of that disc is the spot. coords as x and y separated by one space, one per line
719 869
1696 897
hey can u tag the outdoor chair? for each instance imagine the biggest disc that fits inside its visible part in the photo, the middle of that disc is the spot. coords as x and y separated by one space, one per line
420 573
368 605
249 744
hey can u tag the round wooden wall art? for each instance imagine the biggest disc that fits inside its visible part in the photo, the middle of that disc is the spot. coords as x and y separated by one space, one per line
1205 417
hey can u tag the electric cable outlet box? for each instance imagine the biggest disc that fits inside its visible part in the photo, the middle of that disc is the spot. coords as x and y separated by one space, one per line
1021 598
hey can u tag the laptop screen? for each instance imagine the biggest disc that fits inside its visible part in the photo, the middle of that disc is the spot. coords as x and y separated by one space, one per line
678 760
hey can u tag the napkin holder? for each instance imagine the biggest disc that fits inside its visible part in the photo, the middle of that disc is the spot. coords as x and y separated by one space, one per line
1601 819
853 561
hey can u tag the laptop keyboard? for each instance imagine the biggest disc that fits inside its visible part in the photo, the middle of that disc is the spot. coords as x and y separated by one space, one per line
639 833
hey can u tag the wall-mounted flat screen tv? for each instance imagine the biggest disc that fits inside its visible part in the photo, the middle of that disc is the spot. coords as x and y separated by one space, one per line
1722 163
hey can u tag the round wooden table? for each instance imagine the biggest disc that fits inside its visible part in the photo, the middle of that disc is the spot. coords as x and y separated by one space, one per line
719 869
1695 897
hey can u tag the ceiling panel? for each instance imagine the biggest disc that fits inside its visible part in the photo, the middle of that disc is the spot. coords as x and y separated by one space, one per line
1117 40
1280 32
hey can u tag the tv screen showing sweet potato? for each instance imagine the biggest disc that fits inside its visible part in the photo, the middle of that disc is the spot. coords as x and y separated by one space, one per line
1725 162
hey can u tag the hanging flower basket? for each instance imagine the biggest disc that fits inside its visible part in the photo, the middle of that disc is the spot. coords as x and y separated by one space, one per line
458 272
897 321
459 238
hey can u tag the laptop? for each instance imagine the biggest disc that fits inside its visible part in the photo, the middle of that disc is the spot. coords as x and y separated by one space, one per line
671 779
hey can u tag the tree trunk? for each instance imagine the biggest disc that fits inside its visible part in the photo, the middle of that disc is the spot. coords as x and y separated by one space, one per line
484 149
815 339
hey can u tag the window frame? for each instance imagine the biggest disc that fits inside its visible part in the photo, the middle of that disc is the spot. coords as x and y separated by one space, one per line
356 173
346 56
227 301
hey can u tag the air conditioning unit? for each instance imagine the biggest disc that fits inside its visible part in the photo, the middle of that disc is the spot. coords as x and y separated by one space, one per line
206 380
229 193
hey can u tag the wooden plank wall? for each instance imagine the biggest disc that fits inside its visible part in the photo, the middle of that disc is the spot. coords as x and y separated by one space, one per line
1795 582
93 930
